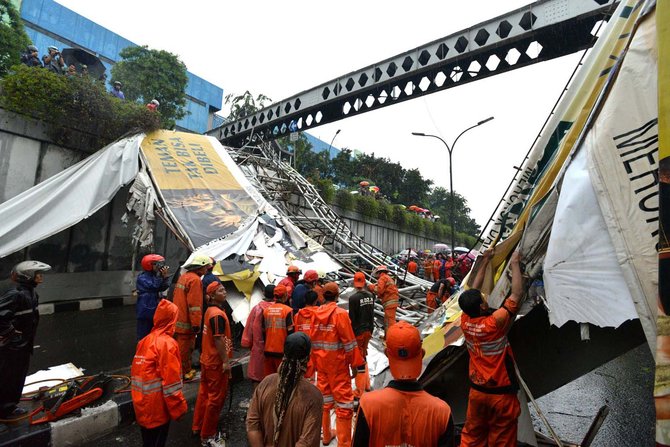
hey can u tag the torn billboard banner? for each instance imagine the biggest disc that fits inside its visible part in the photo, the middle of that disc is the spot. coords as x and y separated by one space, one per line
197 186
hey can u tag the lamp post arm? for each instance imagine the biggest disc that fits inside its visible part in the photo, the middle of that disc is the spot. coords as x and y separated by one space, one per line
443 142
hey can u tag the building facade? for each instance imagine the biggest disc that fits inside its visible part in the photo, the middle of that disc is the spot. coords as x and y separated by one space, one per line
49 23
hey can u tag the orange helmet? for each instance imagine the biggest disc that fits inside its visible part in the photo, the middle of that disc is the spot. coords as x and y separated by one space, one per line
292 269
310 276
380 269
149 260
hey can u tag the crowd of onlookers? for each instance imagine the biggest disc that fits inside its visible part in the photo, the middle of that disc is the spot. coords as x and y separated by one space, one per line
54 62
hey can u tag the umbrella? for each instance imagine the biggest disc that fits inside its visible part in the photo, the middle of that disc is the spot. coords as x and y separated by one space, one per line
402 207
441 248
78 57
364 183
412 208
374 188
461 250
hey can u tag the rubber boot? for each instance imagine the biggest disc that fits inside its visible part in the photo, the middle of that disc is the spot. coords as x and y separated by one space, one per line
362 382
325 427
343 427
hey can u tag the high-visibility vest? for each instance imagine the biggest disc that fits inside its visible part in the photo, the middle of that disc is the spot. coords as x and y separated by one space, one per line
403 414
491 367
277 323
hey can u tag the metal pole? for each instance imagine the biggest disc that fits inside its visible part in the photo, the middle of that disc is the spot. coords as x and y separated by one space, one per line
453 204
451 175
331 143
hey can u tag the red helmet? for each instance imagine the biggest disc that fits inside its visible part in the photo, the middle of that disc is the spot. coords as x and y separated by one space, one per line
293 269
149 260
310 276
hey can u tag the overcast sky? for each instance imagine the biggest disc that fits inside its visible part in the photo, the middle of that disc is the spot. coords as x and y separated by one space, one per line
282 48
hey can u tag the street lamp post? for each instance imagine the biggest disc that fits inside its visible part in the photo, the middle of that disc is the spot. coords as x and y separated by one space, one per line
331 142
451 175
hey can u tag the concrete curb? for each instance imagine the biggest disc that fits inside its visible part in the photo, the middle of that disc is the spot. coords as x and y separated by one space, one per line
82 305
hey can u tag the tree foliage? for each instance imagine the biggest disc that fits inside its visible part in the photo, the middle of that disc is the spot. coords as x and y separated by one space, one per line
13 38
439 201
149 74
67 103
245 104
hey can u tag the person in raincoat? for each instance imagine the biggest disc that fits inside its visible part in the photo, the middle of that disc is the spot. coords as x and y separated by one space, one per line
156 386
254 339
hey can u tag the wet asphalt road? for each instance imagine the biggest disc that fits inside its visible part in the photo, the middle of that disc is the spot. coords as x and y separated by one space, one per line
104 340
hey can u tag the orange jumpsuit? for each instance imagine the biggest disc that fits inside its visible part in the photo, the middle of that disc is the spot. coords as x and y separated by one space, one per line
436 269
403 414
493 408
156 372
335 352
188 298
213 381
277 324
412 267
428 270
303 323
448 266
318 288
387 292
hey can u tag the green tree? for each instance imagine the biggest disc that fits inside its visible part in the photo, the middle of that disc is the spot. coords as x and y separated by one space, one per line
13 38
439 202
149 74
245 104
414 187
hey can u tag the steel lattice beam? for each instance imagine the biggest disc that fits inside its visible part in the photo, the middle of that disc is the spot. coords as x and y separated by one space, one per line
507 42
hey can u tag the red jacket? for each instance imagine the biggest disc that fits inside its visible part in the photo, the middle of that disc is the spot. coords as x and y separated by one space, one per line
333 341
289 283
156 372
188 298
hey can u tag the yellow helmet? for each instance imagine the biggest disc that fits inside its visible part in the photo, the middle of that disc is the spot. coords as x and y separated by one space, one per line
198 261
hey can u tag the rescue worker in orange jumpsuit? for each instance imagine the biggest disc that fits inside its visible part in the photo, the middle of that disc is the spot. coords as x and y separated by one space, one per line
277 324
448 266
217 350
156 378
337 360
362 316
412 266
387 292
439 292
437 264
292 275
318 288
188 298
428 268
403 413
303 323
493 407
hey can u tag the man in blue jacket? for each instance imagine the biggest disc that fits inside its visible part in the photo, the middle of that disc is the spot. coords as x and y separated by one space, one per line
150 283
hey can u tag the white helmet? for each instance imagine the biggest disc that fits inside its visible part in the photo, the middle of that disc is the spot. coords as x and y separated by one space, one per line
26 270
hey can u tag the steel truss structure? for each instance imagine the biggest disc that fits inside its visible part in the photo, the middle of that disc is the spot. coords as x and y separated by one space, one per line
538 32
